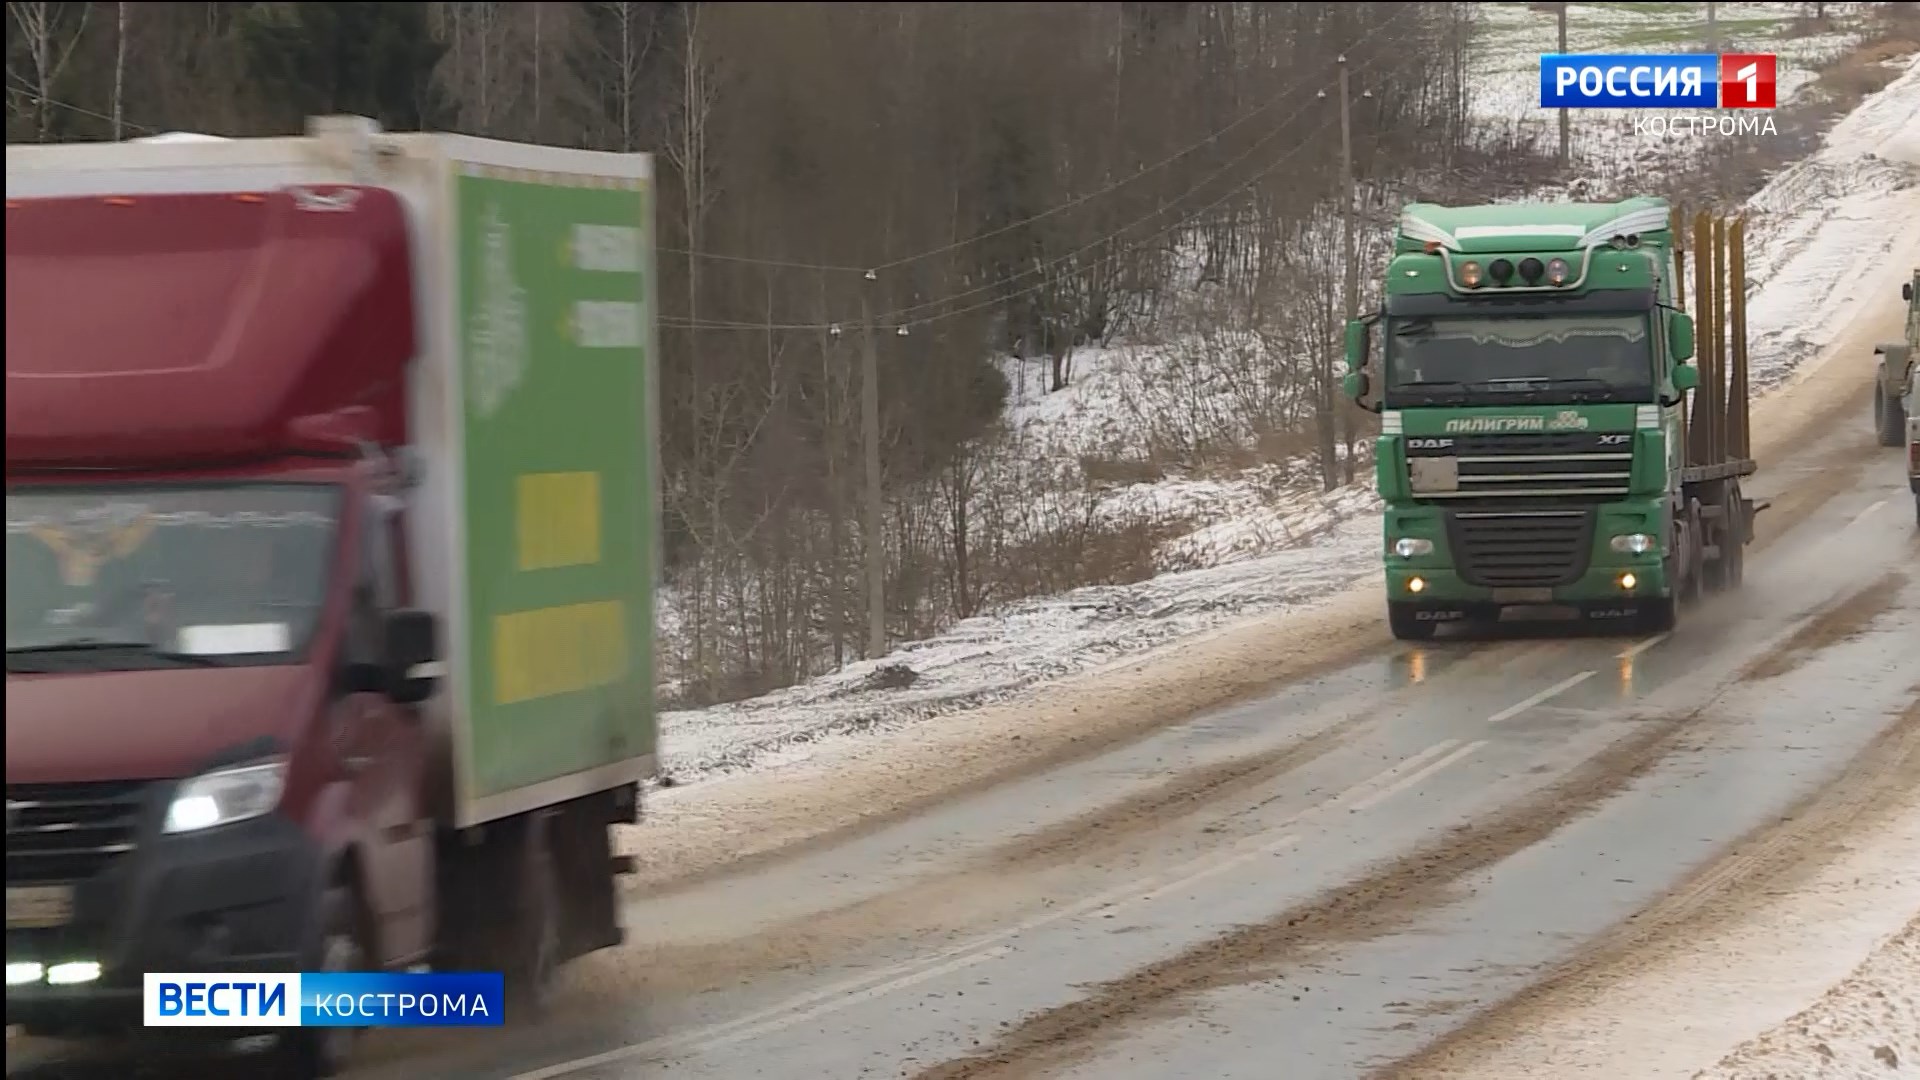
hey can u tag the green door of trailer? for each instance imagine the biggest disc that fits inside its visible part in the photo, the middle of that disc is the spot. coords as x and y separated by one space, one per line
555 328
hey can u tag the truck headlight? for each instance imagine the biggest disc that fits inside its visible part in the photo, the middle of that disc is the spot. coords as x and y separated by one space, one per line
1634 543
225 796
1410 546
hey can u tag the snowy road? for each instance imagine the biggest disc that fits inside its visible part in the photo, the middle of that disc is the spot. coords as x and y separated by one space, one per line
1292 847
1334 876
1374 867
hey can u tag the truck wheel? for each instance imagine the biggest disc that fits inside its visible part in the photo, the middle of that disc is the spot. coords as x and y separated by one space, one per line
319 1052
1400 618
1891 416
532 930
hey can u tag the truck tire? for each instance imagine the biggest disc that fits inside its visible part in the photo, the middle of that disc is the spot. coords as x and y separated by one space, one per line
530 935
311 1053
1890 417
1400 618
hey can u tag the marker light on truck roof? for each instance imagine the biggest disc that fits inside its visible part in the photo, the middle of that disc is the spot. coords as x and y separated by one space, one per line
1470 274
1500 270
1557 271
1531 269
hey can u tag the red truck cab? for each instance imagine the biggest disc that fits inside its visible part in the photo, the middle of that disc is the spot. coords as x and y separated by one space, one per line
216 755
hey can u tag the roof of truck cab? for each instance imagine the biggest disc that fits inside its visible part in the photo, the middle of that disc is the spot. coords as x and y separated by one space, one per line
177 328
1532 226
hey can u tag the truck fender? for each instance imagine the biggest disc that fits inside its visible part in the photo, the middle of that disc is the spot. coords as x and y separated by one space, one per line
340 838
1896 368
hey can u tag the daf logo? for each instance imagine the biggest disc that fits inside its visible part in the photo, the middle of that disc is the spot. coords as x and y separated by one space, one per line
1429 444
1438 616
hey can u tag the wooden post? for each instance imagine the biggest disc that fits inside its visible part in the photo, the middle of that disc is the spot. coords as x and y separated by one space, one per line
1738 417
1352 298
1566 121
1700 445
1721 435
875 539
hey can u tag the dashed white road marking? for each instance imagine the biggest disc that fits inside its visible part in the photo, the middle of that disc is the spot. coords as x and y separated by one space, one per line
1410 780
1362 796
1864 514
1639 647
1555 690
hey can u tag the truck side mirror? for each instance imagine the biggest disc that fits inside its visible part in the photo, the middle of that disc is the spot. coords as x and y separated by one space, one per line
1358 343
412 655
1906 291
1680 335
1685 377
1356 384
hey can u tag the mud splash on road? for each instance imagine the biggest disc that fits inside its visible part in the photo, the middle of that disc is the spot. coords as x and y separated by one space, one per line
1382 901
1103 826
1840 622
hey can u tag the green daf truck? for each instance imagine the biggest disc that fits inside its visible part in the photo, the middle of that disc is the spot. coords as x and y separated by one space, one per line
1548 440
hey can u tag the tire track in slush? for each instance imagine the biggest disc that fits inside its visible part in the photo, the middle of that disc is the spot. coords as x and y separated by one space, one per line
1878 783
1380 902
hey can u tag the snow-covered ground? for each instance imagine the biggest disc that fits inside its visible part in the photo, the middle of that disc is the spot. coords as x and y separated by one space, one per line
1266 540
1867 1027
1605 143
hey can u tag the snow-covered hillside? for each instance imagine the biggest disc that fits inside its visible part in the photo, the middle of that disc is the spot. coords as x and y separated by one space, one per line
1266 539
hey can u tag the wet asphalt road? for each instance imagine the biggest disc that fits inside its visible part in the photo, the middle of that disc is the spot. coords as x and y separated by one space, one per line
1328 878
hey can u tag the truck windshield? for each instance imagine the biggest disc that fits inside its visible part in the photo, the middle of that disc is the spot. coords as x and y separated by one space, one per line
165 576
1449 359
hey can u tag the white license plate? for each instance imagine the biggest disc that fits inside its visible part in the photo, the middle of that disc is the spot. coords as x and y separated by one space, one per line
33 907
1523 596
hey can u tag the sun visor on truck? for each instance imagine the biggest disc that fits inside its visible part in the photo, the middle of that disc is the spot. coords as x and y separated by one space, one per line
164 328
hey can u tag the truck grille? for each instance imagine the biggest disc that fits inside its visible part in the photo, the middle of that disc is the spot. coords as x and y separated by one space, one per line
1554 466
70 832
1522 548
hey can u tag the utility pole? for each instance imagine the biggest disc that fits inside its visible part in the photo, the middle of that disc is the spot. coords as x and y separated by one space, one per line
1352 303
1713 31
875 540
1566 117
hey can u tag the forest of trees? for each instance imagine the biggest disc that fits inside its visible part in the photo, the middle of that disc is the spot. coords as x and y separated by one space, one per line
973 179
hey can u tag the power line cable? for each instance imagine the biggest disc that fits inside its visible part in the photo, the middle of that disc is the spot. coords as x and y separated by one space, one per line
912 314
1081 200
901 326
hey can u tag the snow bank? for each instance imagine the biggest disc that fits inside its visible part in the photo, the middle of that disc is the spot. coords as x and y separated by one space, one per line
1866 1028
1827 225
1266 540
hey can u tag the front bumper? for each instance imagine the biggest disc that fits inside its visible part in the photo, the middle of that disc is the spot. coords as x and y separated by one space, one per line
1633 578
237 898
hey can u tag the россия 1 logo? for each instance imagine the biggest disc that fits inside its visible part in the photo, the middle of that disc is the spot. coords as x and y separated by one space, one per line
1657 81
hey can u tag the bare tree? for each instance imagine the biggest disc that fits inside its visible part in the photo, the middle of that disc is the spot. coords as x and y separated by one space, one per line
51 33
